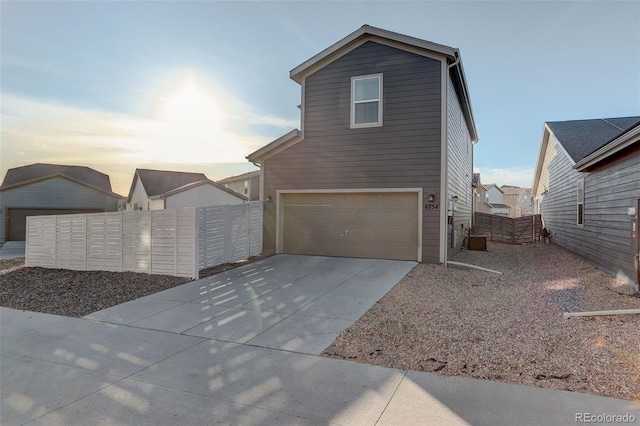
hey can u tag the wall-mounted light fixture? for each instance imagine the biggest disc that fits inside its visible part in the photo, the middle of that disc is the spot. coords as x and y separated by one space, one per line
455 198
267 198
546 191
431 198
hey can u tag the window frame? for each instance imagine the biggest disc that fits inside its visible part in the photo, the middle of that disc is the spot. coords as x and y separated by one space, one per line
580 202
378 123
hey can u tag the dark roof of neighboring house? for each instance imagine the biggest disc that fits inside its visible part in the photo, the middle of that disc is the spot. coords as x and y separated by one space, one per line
582 137
243 176
157 182
35 172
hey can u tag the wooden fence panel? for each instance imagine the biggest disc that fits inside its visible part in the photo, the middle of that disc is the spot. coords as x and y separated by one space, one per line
136 241
255 229
521 230
211 236
71 242
164 232
41 241
178 242
186 244
104 242
238 233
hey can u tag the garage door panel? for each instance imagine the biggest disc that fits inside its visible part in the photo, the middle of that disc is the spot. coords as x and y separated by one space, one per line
374 225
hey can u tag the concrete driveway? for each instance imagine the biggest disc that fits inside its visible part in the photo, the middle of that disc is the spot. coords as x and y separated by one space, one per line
241 348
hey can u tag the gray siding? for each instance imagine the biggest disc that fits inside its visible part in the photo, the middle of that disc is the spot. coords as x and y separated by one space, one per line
53 193
459 168
403 153
605 239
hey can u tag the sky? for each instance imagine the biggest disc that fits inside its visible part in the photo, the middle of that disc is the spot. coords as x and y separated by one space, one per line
197 86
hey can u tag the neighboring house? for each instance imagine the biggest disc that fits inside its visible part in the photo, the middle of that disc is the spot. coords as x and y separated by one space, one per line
586 180
382 166
480 204
247 184
518 199
162 189
46 189
494 196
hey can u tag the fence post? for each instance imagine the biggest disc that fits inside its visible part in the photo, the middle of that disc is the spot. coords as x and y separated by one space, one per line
227 233
196 245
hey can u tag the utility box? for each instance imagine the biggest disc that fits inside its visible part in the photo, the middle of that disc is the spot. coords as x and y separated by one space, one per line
478 242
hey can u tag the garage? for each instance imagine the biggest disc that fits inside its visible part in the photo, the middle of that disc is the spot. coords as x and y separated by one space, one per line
378 225
17 219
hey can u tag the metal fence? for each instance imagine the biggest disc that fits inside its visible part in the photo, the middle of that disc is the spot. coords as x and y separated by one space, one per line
520 230
178 242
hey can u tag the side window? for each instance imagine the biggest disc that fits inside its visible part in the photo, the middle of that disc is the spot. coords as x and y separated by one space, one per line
580 201
366 101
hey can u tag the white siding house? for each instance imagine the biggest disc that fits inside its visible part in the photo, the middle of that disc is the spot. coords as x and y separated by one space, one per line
161 189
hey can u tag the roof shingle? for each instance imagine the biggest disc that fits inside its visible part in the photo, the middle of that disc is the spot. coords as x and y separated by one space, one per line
583 137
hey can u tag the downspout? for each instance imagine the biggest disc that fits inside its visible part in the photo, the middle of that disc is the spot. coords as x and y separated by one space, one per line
446 163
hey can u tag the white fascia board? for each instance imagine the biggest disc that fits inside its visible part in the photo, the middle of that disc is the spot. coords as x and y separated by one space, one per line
625 140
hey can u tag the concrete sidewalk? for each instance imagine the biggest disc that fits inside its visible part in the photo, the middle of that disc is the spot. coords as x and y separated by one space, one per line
241 348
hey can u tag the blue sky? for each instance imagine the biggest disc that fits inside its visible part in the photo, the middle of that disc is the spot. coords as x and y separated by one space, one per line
197 86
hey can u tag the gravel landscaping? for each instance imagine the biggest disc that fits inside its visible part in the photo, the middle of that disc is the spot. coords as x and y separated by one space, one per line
79 293
508 328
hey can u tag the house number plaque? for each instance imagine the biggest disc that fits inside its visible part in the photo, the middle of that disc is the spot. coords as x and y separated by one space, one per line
432 206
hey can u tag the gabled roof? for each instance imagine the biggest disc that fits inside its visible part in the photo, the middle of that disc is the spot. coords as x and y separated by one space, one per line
488 186
625 140
582 137
163 183
32 173
586 141
244 176
194 185
157 182
360 36
400 41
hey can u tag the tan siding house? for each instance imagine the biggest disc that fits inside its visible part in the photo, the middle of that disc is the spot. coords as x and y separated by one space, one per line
382 165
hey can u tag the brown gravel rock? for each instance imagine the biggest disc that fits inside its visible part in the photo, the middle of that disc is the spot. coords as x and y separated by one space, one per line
79 293
75 293
462 322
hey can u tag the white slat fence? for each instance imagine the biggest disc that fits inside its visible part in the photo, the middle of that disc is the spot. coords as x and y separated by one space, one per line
178 242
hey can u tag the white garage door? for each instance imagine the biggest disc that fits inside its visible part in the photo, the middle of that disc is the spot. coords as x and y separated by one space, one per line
375 225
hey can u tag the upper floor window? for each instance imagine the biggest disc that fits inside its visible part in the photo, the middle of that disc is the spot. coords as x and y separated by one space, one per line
366 101
580 219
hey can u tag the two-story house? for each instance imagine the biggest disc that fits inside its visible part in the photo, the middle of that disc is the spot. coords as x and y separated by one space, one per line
518 199
494 196
382 164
